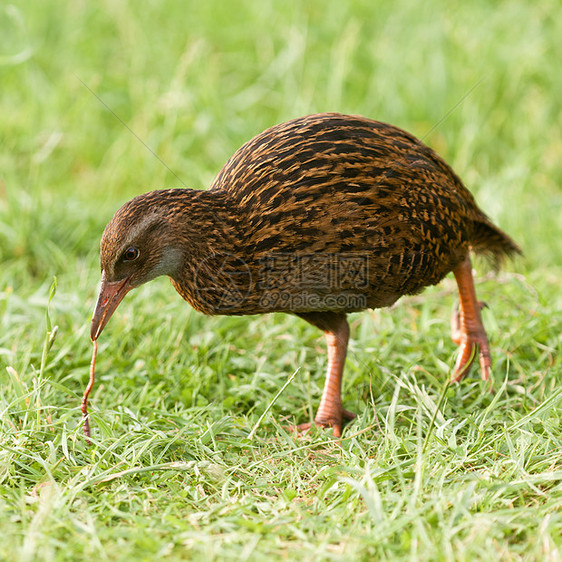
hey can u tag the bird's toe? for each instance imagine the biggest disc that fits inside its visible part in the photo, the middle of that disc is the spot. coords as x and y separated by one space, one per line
470 345
336 423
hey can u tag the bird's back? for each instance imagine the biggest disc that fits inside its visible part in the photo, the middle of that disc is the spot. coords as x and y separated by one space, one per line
333 184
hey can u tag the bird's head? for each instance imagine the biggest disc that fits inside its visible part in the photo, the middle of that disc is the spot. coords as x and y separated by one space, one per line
137 246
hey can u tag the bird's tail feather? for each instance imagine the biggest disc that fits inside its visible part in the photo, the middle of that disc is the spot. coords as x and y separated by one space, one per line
492 243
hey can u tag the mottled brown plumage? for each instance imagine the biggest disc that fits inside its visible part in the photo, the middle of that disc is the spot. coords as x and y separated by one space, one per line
319 216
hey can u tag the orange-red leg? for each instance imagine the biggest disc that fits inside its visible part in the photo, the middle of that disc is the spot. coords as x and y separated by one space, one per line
331 412
467 328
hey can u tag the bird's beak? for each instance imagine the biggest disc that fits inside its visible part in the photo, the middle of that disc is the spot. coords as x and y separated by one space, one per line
111 294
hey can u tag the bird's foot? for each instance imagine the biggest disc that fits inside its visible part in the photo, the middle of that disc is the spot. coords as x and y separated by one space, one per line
336 422
456 334
471 340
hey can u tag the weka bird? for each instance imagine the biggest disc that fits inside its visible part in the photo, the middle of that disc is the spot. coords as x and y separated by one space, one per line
319 216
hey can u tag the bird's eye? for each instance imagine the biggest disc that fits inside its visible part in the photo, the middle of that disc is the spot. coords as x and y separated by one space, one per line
131 254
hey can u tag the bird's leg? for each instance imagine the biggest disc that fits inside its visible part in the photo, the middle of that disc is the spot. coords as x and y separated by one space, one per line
467 328
336 329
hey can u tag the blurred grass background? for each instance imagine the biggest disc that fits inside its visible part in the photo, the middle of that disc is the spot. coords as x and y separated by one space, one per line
480 82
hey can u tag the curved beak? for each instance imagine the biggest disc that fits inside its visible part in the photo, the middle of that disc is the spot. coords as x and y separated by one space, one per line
111 294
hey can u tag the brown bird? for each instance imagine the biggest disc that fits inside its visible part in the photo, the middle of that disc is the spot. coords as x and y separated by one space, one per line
320 216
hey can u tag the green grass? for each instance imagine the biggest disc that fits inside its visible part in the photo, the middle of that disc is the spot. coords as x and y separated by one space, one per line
174 471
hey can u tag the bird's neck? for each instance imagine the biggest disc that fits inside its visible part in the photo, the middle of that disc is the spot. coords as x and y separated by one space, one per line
208 231
210 221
